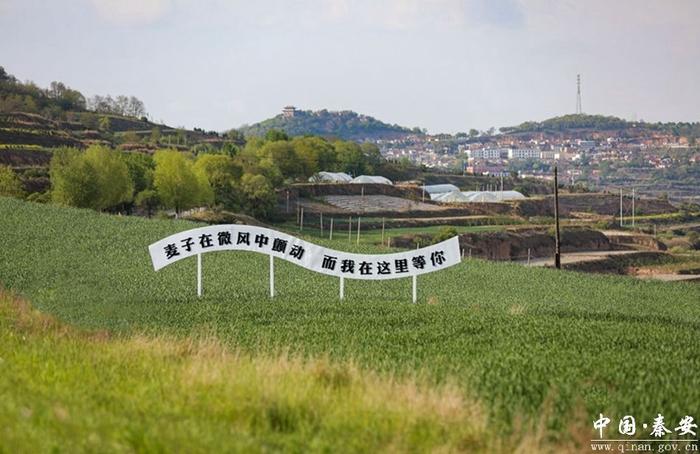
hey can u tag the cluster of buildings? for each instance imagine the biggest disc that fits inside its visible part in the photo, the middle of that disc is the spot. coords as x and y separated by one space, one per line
530 155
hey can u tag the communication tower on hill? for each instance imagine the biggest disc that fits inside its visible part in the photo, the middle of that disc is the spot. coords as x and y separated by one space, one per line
578 94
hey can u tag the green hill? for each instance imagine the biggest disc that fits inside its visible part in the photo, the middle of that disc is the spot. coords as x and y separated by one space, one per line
515 339
578 122
345 124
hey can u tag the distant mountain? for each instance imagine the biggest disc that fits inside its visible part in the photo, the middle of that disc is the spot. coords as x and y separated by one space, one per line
578 122
345 124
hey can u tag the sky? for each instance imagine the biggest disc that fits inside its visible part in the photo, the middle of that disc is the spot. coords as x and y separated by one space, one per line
444 65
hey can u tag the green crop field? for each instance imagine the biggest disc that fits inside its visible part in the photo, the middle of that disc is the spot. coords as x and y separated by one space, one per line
530 345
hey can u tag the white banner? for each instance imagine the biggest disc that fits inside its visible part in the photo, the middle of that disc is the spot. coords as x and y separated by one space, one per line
311 256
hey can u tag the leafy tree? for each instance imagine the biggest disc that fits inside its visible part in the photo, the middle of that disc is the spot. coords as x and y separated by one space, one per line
177 183
10 185
274 135
223 175
372 156
259 194
147 200
473 133
140 167
235 136
230 149
350 157
97 178
316 154
73 180
281 153
115 185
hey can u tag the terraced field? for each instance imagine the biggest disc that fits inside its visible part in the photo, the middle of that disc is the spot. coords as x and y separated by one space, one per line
532 345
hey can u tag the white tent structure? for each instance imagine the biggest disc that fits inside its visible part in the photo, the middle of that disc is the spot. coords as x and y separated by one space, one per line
330 177
371 179
451 197
510 195
493 196
481 196
436 190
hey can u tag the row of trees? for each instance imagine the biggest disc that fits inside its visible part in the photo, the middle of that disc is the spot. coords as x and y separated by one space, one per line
28 97
129 106
58 99
237 179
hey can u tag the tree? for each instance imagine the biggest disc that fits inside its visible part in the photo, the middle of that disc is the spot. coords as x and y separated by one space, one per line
259 194
372 156
114 183
350 157
473 133
177 183
274 135
235 136
148 201
281 153
73 181
97 178
10 184
315 153
140 167
223 175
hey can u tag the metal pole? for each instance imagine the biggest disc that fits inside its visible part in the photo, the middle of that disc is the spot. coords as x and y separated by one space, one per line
272 276
620 207
358 230
321 224
301 220
632 207
331 235
557 240
350 229
382 231
528 256
415 289
199 275
287 201
342 287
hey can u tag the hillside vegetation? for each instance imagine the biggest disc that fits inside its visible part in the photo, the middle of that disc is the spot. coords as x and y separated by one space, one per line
573 122
535 344
344 125
86 391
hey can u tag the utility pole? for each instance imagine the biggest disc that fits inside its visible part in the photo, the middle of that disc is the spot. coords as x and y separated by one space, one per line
632 207
620 207
557 242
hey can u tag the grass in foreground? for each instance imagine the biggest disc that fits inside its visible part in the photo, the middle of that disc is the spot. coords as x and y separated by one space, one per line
516 338
74 391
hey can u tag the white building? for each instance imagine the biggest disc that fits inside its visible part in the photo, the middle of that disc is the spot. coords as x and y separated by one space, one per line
524 153
488 153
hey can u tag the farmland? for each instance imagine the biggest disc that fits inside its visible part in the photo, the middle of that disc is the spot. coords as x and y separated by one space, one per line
529 344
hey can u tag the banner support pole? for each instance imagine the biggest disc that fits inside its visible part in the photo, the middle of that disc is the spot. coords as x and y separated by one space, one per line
415 288
199 275
342 288
272 276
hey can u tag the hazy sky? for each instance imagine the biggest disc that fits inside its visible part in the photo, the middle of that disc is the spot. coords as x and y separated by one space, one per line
446 65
